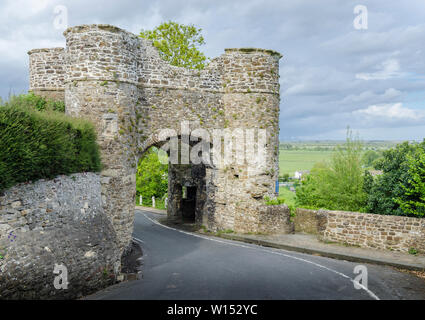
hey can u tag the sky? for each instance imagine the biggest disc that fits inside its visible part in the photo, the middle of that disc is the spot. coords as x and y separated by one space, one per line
336 71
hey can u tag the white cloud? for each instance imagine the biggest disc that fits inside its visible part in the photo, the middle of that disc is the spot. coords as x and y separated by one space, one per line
392 112
388 69
372 97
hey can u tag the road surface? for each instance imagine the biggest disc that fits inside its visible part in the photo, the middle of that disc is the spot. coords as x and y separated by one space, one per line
181 265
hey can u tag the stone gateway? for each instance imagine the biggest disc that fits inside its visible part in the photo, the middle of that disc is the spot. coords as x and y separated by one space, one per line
119 82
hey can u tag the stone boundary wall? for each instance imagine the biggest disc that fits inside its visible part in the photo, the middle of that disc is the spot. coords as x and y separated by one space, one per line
59 221
310 221
275 219
364 229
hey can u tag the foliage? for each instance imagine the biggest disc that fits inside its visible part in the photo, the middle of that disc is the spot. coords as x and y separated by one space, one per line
413 201
369 157
288 195
151 178
284 177
274 202
413 251
36 145
337 185
178 44
35 102
391 184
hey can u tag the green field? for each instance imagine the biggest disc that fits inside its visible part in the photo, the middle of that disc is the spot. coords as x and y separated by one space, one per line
296 160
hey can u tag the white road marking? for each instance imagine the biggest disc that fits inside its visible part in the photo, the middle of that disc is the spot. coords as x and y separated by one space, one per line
138 240
371 294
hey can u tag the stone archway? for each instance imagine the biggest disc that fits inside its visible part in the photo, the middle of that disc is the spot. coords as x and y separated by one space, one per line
119 82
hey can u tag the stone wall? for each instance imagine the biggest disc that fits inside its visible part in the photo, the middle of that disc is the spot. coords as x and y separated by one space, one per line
119 82
310 221
275 219
59 221
364 229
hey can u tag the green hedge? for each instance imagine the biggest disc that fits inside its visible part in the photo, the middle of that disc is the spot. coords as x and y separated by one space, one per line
36 145
35 102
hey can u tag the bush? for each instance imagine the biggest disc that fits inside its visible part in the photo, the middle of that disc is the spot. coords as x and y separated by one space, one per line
386 188
35 102
413 202
338 185
274 202
36 145
284 177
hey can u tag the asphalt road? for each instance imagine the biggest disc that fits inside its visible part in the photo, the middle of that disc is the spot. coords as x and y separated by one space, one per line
180 265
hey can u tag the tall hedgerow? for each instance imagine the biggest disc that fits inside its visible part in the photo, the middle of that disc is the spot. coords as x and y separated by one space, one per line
36 144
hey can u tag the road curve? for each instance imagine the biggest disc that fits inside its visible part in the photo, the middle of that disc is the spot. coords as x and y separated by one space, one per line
181 265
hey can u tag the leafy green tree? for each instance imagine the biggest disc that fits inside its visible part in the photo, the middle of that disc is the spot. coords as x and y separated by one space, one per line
337 185
413 201
390 185
313 190
152 177
369 157
178 44
367 181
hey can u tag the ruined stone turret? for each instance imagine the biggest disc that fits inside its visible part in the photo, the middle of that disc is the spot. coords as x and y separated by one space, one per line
47 72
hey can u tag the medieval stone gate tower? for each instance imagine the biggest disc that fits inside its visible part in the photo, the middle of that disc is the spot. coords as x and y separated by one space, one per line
119 82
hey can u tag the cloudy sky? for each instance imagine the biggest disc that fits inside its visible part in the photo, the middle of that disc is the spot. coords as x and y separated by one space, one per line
332 74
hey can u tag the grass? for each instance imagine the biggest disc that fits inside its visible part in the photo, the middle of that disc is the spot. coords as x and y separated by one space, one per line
159 203
295 160
288 195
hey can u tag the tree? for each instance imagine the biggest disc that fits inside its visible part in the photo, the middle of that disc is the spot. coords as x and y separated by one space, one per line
178 44
337 185
413 201
369 158
389 186
151 177
313 190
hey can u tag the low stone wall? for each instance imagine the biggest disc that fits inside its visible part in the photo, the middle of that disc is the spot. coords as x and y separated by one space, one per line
376 231
59 221
275 220
364 229
310 221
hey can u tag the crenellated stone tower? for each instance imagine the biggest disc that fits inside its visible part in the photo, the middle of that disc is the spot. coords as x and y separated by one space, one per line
119 82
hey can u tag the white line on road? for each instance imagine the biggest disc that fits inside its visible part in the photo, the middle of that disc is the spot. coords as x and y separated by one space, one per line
374 296
138 240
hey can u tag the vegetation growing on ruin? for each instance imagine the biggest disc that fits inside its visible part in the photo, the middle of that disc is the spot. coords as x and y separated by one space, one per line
274 202
38 141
